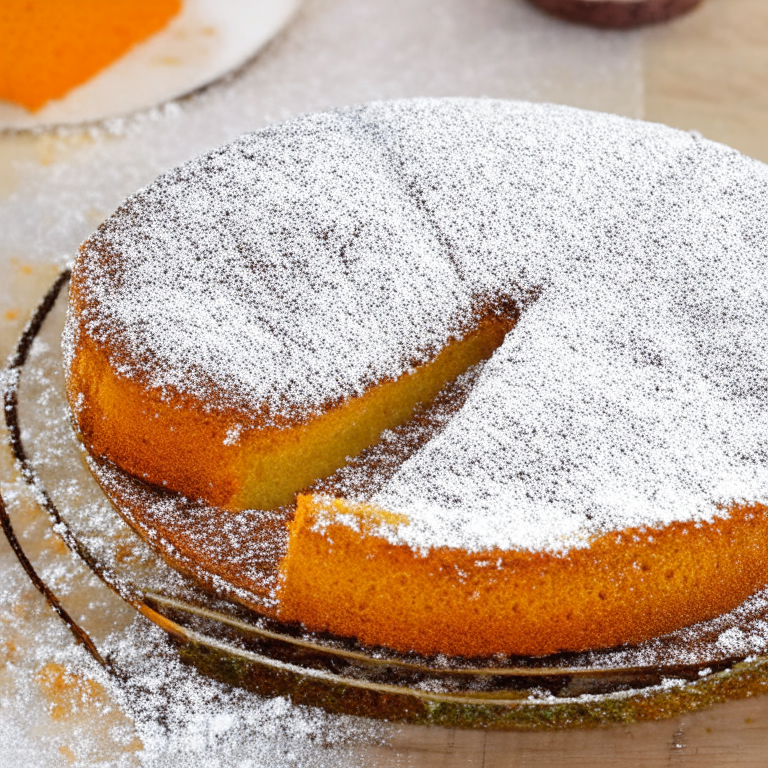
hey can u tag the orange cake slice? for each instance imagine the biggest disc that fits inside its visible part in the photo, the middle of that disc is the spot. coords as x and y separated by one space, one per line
51 46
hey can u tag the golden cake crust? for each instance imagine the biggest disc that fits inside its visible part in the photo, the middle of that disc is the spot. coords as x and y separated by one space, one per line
623 588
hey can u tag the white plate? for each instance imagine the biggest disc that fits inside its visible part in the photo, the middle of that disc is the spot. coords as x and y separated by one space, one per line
208 39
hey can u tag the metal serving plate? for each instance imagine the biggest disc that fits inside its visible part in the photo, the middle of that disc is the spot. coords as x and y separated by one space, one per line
722 659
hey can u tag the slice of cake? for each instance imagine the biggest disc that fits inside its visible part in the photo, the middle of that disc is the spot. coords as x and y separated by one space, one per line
50 47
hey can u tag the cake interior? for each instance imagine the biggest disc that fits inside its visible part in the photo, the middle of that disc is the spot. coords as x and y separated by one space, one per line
282 462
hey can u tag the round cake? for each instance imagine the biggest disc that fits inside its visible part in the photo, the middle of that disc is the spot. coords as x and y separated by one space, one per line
616 14
459 376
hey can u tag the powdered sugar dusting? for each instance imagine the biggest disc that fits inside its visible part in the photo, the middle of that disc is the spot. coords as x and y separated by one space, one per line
298 265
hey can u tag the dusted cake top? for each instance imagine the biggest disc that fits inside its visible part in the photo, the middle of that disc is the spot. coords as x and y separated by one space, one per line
299 265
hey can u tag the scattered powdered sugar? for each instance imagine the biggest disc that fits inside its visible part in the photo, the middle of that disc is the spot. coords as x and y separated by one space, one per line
58 707
299 265
184 718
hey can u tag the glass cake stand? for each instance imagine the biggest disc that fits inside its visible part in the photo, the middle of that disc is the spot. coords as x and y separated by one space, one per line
724 658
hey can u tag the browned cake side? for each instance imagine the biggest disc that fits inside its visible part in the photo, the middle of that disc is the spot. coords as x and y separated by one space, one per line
623 588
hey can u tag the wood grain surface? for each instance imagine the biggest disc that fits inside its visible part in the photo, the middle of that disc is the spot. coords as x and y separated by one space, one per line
733 734
708 71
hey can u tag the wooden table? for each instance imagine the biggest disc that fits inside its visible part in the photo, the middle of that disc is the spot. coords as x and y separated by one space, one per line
709 72
706 72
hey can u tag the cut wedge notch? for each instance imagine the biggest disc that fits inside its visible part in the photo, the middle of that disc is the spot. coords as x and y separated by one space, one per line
283 462
177 444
